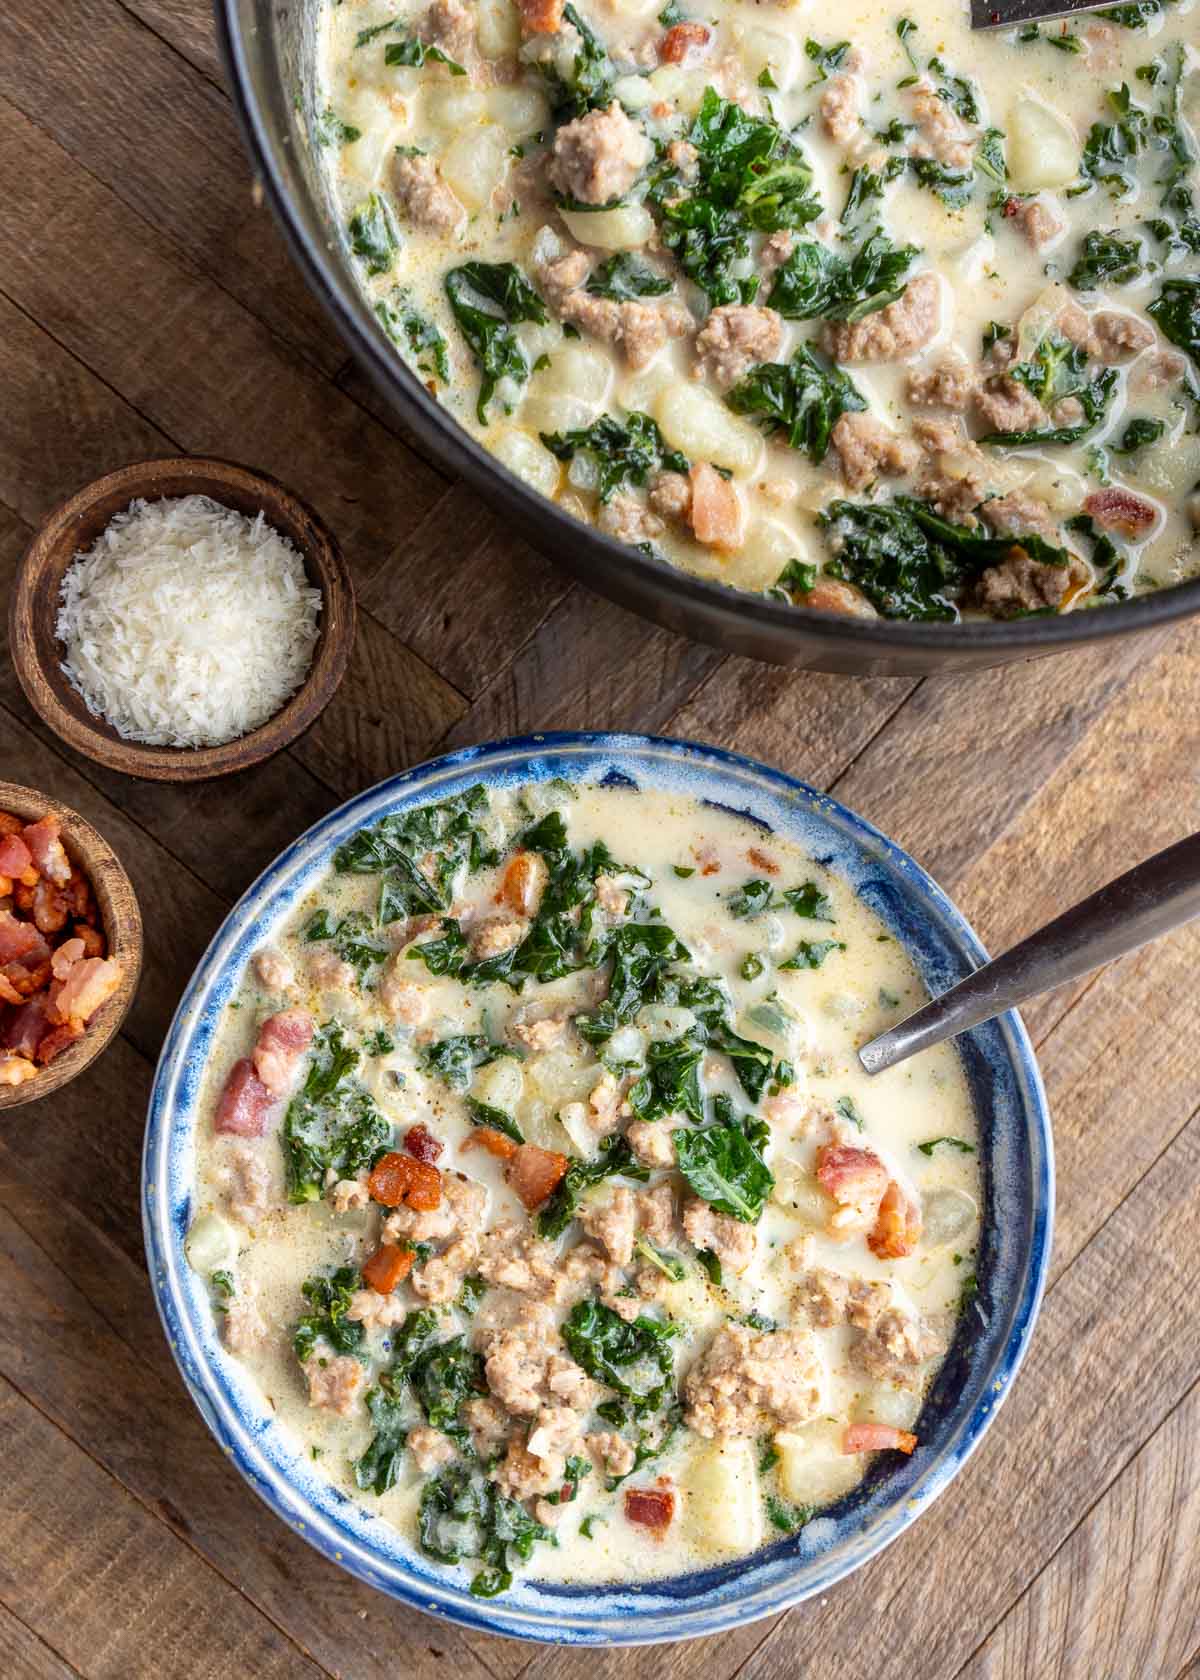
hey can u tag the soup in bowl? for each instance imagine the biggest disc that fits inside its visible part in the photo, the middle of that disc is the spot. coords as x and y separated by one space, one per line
523 1220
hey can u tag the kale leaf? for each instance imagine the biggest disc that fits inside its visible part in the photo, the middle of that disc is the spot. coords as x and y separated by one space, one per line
1110 150
331 1122
815 281
803 398
421 341
373 234
455 1059
622 452
1058 370
497 1119
353 939
416 53
463 1515
444 955
867 184
671 1082
614 1160
1106 259
625 276
1177 313
808 900
488 300
632 1358
329 1296
397 845
825 60
329 129
443 1376
379 1467
722 1163
588 84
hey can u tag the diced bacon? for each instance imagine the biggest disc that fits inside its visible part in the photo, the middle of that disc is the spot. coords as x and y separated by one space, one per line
540 17
897 1228
716 511
877 1437
849 1174
64 959
387 1267
25 1029
245 1104
524 882
496 1143
421 1144
683 41
534 1172
282 1042
46 849
20 942
57 1039
91 938
15 857
399 1179
89 984
1120 510
10 824
49 907
15 1070
650 1507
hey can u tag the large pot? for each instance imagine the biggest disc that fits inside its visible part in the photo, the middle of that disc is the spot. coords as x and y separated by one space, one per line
268 47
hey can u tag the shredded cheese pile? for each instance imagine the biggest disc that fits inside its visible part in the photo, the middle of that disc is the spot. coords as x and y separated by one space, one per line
187 624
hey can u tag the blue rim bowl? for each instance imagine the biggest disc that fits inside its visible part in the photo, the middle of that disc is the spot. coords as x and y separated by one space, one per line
992 1335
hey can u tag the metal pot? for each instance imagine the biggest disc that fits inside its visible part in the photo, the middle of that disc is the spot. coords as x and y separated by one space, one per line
268 48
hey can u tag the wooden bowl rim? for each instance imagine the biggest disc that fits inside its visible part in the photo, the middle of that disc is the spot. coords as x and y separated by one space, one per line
122 919
96 740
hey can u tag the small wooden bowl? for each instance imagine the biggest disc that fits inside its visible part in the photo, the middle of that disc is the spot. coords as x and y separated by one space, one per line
122 920
75 526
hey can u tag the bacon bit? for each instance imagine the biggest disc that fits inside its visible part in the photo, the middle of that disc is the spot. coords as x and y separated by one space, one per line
387 1267
1012 207
245 1102
877 1437
761 860
706 857
533 1173
49 907
24 1031
65 958
541 17
897 1225
15 1070
57 1039
20 942
46 849
282 1041
92 938
421 1144
398 1178
10 824
683 41
1120 510
650 1507
849 1174
716 513
16 860
89 984
496 1143
523 883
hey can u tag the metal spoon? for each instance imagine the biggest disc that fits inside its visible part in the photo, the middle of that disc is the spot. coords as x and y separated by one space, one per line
1160 894
1005 14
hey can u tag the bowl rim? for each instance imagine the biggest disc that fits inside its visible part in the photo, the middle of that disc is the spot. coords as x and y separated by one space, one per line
94 738
124 933
165 1228
740 621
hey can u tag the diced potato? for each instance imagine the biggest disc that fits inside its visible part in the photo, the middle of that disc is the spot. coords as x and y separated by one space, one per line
627 228
211 1244
766 550
473 164
522 453
578 370
722 1509
1043 147
680 87
697 422
549 412
1170 472
519 110
813 1470
500 1083
453 108
895 1406
634 92
499 28
767 49
689 1301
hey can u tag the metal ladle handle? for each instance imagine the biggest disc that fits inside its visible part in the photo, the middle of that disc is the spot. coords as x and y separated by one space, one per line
1158 895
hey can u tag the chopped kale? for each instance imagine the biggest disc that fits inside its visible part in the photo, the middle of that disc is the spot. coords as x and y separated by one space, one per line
961 1144
488 300
788 1518
811 953
330 130
331 1122
1177 313
722 1163
1140 432
711 1267
455 1059
614 1160
621 452
626 276
848 1109
632 1358
353 939
815 281
378 1043
444 955
442 1377
671 1082
802 399
955 187
396 846
379 1467
751 899
411 332
415 54
1106 260
867 184
809 901
588 84
485 1114
463 1515
825 60
798 577
373 234
329 1295
1110 151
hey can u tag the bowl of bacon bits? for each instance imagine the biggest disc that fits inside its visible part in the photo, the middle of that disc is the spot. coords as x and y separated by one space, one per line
70 944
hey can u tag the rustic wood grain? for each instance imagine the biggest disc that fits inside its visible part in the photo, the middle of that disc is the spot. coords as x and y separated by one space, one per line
146 306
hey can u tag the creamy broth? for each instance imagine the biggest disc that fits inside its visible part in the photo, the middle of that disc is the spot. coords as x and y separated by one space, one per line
1039 181
722 1065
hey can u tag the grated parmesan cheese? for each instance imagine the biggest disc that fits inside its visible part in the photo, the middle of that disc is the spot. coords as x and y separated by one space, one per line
187 624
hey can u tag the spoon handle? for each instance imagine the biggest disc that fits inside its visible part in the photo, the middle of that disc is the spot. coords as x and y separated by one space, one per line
1149 900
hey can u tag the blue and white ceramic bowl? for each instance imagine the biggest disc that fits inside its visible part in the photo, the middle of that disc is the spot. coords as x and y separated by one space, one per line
991 1340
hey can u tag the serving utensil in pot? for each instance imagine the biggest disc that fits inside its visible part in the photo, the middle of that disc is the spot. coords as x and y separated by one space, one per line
1005 14
1158 895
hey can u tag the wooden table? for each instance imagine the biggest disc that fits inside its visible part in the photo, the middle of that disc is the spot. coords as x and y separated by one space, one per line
147 307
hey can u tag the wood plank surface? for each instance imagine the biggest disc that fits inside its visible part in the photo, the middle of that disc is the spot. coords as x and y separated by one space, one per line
147 305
